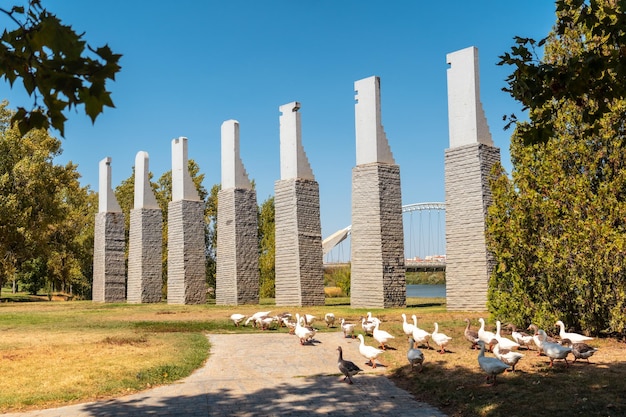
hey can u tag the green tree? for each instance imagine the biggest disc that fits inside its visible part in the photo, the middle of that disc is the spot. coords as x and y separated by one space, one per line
557 228
211 236
55 64
33 274
589 67
41 203
267 249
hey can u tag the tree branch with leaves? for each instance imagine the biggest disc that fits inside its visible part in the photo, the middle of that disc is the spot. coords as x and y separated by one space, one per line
57 67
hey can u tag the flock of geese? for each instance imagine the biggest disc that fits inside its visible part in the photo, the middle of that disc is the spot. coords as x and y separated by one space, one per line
505 350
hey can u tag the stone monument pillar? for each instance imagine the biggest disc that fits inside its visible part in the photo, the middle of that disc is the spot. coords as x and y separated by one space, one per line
145 278
237 280
377 246
109 276
299 257
468 164
186 276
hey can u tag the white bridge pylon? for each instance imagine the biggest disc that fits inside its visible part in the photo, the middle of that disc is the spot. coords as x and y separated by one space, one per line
340 235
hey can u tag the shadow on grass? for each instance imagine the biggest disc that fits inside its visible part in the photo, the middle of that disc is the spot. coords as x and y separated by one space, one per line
580 389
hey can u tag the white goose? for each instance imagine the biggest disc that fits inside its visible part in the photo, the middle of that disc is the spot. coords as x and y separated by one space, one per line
329 318
420 336
304 333
414 355
524 339
407 327
573 337
492 366
347 328
369 352
253 318
503 341
381 336
537 339
440 339
507 356
486 336
553 350
237 318
368 326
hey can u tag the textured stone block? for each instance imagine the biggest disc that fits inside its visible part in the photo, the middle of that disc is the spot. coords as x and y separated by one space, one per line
377 239
186 274
468 263
145 267
237 280
109 275
299 258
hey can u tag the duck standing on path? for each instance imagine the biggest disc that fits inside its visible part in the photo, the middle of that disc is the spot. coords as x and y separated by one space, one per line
369 352
305 334
346 367
492 366
414 355
347 328
573 337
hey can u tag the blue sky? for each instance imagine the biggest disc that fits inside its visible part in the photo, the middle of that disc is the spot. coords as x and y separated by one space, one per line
187 66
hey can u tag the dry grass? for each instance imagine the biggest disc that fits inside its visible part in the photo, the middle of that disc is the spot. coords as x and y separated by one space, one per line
79 351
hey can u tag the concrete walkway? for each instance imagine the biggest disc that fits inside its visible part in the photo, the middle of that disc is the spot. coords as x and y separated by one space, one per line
266 374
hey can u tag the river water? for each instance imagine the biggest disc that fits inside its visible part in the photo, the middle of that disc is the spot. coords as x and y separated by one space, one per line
426 291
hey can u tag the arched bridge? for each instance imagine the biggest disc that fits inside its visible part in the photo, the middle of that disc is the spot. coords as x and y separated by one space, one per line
424 237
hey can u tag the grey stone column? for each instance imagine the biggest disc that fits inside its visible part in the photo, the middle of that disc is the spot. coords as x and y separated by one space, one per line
109 275
468 164
237 279
299 259
468 262
186 270
377 238
145 264
377 245
299 256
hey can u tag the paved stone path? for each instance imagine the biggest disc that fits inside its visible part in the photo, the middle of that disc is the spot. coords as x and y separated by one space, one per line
265 374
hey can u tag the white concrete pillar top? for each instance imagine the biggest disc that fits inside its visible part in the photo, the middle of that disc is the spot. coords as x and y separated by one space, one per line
107 203
144 194
294 162
183 187
466 116
371 141
234 174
